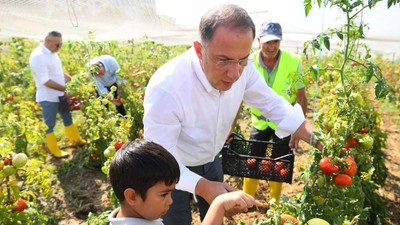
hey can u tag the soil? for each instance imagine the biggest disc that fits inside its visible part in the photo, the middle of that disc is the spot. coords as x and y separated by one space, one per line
83 190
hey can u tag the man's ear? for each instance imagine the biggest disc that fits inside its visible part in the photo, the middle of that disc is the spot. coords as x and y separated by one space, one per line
131 196
198 49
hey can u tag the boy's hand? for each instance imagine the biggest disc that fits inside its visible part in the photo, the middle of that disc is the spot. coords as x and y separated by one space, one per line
237 202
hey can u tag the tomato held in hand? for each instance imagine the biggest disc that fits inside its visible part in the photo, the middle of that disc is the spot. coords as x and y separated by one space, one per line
342 180
327 167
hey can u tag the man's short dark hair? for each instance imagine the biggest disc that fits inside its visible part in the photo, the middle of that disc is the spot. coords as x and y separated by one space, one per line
53 34
226 15
140 165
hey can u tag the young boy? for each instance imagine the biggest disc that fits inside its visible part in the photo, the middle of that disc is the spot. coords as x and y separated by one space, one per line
143 175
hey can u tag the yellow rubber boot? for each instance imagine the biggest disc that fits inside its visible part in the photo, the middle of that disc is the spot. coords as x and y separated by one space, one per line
53 147
275 189
74 136
250 186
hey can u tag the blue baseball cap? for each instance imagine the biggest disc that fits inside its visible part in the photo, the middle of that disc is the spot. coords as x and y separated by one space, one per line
270 31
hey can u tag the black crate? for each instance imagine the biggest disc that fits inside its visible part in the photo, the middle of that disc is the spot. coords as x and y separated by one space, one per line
236 160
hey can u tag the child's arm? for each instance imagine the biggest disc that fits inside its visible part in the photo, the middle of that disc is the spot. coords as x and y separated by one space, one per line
238 201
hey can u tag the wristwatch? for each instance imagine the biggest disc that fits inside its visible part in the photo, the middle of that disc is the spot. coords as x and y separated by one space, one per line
314 141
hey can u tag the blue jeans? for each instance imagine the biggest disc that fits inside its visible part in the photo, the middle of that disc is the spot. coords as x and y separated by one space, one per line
49 111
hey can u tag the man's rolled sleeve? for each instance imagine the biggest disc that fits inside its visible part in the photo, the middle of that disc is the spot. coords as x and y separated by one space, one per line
291 122
188 180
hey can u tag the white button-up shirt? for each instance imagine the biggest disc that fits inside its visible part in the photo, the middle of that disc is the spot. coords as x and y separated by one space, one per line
46 66
191 119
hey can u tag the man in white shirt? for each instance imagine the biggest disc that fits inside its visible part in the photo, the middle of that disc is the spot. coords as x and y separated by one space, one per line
191 102
50 89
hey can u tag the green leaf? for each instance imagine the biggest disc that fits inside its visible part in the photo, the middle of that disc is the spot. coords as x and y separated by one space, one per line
307 6
340 35
314 72
327 43
315 43
381 89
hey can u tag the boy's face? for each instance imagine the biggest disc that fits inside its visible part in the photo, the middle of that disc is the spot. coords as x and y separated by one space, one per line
158 200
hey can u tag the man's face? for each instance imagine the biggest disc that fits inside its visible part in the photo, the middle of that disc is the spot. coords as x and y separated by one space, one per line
225 56
270 49
53 44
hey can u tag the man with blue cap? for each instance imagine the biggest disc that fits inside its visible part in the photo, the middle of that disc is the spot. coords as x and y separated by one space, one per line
279 68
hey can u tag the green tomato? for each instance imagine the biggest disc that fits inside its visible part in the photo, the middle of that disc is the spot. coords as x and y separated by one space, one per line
109 152
367 142
19 160
319 200
317 221
321 182
356 98
9 170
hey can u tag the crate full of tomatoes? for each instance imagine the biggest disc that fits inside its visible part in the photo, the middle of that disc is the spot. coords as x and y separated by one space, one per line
238 161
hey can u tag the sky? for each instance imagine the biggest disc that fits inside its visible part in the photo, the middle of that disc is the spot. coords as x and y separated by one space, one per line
383 22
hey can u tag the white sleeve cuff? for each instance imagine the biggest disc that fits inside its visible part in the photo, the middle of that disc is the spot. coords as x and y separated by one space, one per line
188 180
291 122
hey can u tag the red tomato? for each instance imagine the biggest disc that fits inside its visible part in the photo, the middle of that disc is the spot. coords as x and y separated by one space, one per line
286 217
351 170
20 205
284 172
251 163
77 105
327 167
118 144
363 130
351 142
342 180
9 97
265 166
279 166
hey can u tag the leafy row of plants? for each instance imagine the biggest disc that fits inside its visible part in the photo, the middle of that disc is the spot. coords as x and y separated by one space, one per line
23 130
342 181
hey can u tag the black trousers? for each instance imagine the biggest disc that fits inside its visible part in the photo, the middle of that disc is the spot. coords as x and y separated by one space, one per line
279 148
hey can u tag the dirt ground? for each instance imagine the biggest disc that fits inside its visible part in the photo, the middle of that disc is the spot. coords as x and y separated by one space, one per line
84 190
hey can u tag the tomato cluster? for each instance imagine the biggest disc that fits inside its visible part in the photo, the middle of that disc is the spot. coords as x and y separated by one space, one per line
341 173
8 168
74 103
267 166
